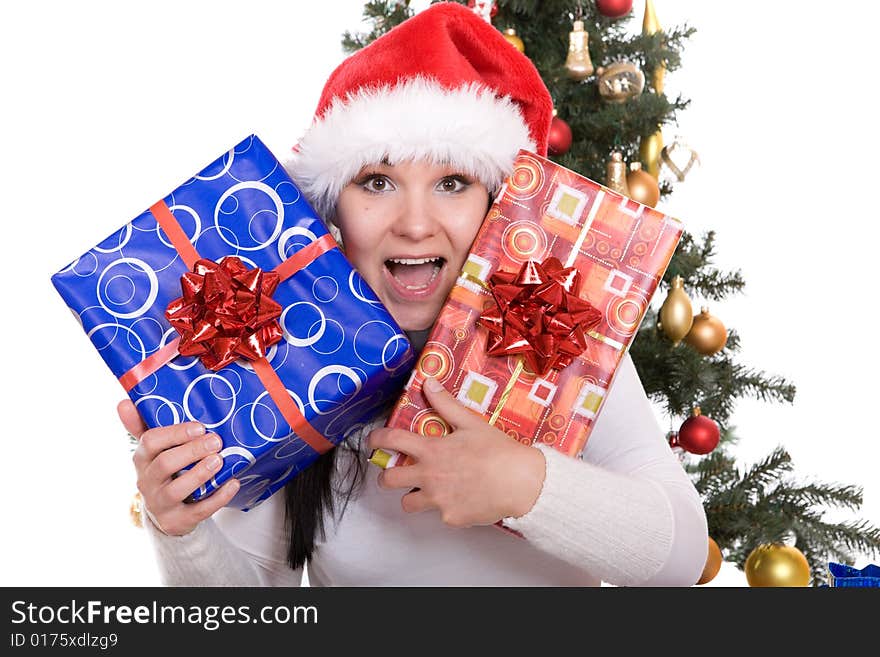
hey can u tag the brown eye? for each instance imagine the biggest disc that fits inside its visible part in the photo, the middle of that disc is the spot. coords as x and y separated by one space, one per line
376 184
453 184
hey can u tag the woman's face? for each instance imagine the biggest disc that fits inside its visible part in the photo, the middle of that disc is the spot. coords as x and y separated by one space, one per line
407 229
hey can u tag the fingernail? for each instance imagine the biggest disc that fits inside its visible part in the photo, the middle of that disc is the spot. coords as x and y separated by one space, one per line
433 384
213 462
195 430
213 443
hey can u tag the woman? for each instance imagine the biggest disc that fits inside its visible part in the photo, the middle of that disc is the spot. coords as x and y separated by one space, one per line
412 137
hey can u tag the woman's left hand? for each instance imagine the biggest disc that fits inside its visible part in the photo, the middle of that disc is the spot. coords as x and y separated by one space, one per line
476 475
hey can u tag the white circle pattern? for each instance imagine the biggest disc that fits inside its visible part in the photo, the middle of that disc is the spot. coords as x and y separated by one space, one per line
279 212
311 339
151 295
188 392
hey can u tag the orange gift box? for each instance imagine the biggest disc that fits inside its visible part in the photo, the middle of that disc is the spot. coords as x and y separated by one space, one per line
620 249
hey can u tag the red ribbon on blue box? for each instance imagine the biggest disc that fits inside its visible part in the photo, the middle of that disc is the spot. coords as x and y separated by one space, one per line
341 358
268 376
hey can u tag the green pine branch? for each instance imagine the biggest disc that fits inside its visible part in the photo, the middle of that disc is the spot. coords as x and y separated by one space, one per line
693 262
650 51
679 377
384 14
764 505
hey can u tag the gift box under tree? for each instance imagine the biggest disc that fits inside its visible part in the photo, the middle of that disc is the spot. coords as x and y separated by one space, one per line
557 282
841 575
228 303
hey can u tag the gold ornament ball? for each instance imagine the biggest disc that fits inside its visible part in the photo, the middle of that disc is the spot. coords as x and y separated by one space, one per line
676 313
642 185
707 334
774 564
713 563
514 40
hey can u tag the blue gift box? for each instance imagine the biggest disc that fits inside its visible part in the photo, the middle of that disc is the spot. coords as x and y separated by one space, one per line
342 357
841 575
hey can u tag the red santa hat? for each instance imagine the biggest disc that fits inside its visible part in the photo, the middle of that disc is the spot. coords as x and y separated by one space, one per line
443 86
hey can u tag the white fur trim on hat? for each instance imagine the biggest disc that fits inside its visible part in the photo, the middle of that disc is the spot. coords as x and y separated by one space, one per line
418 119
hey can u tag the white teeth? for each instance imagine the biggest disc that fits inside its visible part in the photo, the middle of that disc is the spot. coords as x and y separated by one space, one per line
412 261
437 261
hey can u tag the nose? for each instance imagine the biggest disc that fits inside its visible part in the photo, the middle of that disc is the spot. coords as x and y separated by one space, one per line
417 217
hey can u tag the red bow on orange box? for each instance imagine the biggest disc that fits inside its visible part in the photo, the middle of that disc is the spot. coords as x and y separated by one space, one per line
226 312
539 315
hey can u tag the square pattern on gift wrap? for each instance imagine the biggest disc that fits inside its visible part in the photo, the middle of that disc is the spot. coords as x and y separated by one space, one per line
567 204
620 248
618 283
342 357
589 400
542 392
477 391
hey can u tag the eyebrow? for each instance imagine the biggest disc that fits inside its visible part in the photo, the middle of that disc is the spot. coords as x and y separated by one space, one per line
373 165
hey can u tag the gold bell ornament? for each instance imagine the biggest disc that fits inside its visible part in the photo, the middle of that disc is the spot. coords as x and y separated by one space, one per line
676 313
578 63
615 174
514 40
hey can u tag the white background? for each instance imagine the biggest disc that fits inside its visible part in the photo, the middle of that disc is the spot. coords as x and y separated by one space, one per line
107 107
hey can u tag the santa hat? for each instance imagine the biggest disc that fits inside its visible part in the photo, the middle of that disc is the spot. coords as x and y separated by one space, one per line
443 86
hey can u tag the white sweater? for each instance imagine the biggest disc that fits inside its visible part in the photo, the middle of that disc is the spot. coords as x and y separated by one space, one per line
626 514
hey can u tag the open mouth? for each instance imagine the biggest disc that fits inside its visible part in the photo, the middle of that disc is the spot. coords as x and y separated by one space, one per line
415 274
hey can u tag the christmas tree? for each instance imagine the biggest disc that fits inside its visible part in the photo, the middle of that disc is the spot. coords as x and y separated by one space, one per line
606 79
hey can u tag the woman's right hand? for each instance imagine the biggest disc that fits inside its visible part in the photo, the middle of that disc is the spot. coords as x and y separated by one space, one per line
162 453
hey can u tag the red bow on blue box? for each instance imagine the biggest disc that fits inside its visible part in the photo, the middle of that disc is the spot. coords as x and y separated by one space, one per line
226 312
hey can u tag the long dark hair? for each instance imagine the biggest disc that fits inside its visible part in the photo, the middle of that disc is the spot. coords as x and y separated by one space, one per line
312 498
328 485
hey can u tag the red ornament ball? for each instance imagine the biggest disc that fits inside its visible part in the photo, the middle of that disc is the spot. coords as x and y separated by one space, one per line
614 8
699 434
492 12
559 139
